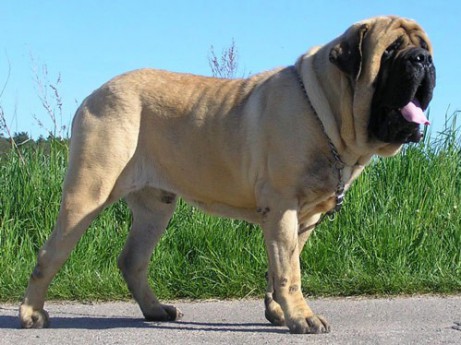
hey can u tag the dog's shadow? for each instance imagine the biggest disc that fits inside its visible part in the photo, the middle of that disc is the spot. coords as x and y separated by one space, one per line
102 323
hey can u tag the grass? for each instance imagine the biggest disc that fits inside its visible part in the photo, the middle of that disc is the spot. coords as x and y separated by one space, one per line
398 233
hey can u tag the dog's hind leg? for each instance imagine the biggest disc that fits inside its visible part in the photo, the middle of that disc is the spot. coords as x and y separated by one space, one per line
80 205
97 159
152 209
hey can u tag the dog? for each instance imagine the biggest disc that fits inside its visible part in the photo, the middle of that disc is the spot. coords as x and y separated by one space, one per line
276 149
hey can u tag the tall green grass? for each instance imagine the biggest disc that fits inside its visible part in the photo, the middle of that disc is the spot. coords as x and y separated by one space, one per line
399 232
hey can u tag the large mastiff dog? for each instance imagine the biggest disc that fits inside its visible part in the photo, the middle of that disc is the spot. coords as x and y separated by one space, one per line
277 149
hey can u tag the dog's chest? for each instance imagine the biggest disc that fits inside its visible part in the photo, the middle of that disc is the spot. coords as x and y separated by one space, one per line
320 193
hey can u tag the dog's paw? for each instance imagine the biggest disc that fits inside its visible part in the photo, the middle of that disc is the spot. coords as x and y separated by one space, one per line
161 312
31 318
314 324
275 318
274 313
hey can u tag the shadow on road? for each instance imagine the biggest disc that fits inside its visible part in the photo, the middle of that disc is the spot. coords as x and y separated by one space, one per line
59 322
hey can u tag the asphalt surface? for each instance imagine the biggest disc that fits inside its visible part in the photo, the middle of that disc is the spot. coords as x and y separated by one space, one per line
415 320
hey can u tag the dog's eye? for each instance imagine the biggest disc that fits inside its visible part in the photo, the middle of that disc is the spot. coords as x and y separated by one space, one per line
423 44
391 50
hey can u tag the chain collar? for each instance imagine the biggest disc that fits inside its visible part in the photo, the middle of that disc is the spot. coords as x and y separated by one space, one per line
339 164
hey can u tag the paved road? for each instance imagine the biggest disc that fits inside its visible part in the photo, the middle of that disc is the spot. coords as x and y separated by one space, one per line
415 320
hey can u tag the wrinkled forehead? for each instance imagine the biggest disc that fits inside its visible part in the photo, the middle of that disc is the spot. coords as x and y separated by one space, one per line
412 33
381 33
386 30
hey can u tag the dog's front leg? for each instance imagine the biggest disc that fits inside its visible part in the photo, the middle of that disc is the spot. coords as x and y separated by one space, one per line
280 228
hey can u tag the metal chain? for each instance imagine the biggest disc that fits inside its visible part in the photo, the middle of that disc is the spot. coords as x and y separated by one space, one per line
339 164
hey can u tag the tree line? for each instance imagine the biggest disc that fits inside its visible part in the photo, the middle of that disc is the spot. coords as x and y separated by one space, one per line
21 140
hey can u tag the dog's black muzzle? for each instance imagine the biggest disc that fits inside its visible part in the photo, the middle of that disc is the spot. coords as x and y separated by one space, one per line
405 77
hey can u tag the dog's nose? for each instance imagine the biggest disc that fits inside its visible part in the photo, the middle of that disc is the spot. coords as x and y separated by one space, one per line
420 57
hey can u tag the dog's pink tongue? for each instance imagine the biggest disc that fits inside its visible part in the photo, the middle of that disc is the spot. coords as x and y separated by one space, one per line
412 112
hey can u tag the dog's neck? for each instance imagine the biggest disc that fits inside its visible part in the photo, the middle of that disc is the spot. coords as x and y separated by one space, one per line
338 163
336 108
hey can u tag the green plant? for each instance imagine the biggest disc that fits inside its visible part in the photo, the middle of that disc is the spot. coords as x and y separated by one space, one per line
399 232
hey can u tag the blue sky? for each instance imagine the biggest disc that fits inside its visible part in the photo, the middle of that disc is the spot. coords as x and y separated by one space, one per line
87 42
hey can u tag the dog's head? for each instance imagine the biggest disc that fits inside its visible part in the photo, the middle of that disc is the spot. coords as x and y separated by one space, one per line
388 62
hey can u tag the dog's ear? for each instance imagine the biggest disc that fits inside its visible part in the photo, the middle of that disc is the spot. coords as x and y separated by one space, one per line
347 54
